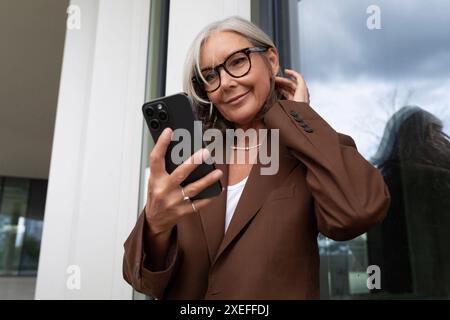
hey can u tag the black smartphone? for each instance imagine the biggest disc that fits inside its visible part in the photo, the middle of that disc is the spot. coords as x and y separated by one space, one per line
177 112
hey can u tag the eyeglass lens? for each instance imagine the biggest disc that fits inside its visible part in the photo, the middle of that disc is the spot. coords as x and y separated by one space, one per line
236 65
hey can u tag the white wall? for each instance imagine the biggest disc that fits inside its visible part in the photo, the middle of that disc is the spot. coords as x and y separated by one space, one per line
94 172
92 199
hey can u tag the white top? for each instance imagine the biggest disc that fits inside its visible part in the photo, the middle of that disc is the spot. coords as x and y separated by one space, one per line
233 194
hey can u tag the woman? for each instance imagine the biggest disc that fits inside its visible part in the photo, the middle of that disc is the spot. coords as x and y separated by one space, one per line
411 245
258 238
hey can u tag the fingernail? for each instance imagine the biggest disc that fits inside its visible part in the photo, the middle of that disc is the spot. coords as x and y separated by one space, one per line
205 154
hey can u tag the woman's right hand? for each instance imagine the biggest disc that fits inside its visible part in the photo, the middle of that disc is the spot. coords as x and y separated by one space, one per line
165 205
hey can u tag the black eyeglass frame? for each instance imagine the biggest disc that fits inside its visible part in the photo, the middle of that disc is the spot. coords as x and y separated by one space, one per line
246 51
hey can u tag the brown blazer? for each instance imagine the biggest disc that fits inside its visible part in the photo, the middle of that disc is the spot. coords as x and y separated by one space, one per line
270 249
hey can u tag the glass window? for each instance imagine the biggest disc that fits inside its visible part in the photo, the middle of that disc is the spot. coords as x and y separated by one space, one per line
22 205
381 74
12 224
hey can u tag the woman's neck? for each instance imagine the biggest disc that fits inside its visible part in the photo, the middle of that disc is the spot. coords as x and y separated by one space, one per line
257 124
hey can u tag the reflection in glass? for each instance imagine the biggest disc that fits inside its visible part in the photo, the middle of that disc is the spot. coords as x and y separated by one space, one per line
358 78
411 244
22 203
12 228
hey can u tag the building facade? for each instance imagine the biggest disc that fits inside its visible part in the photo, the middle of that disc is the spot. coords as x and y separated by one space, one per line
72 187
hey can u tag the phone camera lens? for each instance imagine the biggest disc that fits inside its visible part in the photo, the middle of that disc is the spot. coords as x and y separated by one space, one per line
162 115
150 112
154 124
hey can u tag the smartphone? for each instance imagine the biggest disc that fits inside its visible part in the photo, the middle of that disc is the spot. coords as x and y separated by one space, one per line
177 112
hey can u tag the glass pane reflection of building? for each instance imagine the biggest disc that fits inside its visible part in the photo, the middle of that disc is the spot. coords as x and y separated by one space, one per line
22 203
388 89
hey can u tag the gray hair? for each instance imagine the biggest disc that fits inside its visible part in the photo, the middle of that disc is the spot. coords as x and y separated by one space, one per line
255 36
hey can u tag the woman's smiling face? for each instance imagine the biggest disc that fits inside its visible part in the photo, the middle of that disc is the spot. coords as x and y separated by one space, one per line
251 90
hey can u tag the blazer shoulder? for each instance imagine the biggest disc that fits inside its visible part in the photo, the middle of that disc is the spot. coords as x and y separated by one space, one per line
303 109
346 140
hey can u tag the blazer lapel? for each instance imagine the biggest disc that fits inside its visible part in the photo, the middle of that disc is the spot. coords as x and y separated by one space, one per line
213 216
255 192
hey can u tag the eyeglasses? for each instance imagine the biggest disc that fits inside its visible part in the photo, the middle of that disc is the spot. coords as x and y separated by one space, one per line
237 65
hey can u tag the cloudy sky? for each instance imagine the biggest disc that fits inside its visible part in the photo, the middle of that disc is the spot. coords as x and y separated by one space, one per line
358 77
